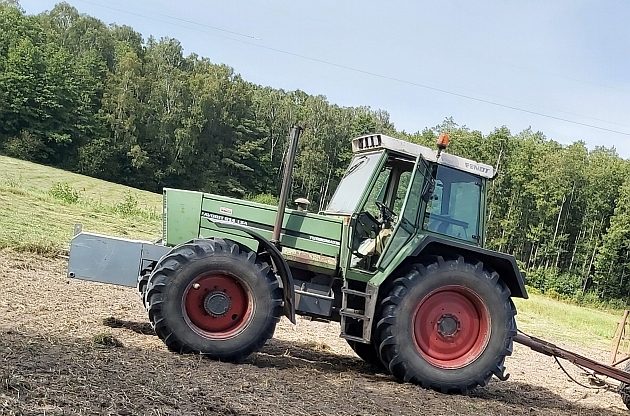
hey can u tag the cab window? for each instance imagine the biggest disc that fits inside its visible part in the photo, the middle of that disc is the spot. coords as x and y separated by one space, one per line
377 219
453 208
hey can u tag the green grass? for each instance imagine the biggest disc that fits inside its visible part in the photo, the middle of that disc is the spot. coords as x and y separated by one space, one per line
563 322
40 206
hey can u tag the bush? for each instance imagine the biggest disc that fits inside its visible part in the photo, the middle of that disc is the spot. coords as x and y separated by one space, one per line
267 199
26 146
567 287
553 283
587 298
128 206
64 192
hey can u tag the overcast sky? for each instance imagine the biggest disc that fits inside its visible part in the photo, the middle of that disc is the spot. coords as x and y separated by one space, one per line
566 59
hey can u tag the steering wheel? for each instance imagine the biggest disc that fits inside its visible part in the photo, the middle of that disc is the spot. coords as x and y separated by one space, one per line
387 214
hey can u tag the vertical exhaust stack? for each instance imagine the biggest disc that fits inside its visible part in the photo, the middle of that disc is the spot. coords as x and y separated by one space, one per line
294 135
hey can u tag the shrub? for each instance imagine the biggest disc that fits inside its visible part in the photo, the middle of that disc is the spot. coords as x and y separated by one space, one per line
552 282
267 199
128 206
64 192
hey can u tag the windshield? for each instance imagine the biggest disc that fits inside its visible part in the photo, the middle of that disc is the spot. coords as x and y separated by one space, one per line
453 209
353 183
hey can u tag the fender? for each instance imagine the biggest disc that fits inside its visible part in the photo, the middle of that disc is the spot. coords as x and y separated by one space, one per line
502 263
282 268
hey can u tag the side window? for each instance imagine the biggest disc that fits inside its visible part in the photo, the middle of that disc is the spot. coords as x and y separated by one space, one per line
453 209
464 202
403 184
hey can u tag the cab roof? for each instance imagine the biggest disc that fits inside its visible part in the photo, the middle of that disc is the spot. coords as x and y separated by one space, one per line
371 142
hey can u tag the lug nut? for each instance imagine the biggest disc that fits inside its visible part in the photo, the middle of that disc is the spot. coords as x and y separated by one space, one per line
196 286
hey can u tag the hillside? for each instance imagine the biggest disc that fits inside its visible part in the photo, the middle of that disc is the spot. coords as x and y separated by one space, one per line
41 204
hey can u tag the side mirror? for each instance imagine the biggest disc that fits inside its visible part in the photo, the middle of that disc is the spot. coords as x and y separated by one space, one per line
427 191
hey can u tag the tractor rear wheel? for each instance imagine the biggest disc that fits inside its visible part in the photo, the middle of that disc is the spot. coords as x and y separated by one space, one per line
446 325
211 297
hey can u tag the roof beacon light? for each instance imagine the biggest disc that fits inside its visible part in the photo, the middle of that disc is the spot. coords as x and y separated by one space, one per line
442 143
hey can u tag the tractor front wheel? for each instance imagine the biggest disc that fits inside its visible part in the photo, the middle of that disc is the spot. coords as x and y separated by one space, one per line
141 286
213 298
446 325
367 352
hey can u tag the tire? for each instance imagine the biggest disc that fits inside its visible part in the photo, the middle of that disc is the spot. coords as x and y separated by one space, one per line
367 352
211 297
624 389
446 325
141 286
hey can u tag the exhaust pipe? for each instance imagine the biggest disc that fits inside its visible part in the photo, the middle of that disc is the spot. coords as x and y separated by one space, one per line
294 135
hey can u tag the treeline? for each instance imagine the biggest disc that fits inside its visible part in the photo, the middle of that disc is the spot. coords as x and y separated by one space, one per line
100 100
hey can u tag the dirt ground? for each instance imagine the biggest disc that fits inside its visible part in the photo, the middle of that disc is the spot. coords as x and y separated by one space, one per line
50 364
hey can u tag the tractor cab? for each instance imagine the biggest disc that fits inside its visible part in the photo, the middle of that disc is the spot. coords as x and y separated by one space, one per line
393 190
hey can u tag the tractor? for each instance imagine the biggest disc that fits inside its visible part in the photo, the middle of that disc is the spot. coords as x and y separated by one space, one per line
397 258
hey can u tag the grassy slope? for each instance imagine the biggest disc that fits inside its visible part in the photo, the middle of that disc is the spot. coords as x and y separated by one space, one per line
32 219
561 322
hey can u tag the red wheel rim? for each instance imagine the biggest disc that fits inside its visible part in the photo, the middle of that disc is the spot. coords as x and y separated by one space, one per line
451 327
217 306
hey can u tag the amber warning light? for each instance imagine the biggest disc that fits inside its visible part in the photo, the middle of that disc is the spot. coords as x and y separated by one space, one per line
442 141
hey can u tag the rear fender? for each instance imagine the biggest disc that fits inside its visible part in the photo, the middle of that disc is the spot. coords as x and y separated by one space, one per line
279 263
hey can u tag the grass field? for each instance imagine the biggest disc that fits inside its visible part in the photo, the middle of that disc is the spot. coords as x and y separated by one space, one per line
551 319
40 205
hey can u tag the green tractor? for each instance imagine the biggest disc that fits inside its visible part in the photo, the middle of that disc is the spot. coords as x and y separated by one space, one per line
397 258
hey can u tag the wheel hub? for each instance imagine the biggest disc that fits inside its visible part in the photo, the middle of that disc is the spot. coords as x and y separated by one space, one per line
448 325
217 304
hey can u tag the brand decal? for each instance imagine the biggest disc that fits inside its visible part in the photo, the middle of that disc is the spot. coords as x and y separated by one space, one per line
323 240
223 218
477 168
226 211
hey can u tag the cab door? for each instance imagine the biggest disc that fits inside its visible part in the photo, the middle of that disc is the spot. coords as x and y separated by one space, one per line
409 218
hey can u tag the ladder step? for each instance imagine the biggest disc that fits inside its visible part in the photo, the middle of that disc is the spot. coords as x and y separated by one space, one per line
353 313
355 293
353 338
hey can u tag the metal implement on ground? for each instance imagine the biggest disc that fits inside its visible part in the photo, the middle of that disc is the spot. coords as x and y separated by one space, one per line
397 258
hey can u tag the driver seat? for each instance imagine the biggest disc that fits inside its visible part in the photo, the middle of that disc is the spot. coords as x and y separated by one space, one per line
375 246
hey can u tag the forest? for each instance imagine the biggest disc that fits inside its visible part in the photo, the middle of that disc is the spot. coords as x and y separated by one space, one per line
101 100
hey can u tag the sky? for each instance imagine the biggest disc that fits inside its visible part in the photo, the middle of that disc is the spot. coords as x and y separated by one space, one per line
561 67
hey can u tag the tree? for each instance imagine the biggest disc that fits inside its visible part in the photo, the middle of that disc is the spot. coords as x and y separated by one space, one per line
613 259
